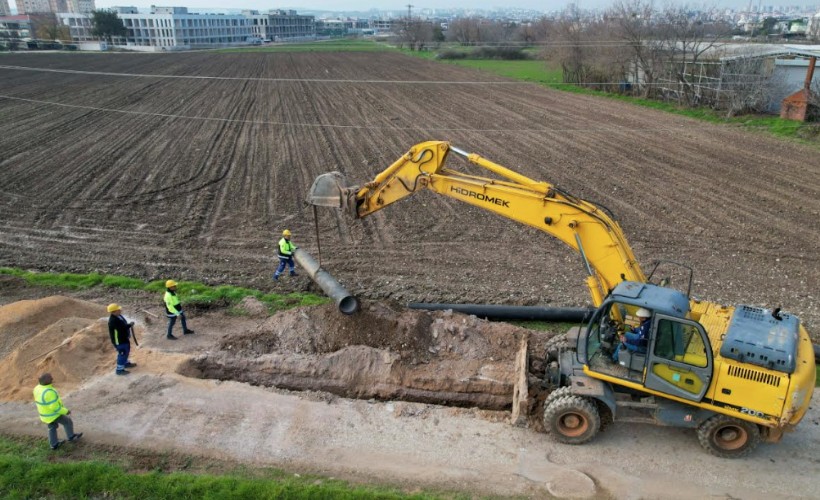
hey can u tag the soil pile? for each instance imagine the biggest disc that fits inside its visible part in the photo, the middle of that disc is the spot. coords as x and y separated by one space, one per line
382 352
72 350
19 321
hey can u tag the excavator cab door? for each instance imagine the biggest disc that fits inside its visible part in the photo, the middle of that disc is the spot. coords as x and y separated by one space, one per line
680 358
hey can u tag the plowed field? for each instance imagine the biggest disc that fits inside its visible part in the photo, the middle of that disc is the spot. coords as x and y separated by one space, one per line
189 165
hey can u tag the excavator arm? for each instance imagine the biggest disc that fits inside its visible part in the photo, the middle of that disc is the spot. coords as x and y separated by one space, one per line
580 224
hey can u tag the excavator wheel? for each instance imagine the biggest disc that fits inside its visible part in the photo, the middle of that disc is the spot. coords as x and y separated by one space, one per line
557 393
553 345
572 419
728 437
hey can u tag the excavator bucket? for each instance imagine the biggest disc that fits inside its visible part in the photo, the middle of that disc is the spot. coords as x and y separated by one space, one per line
328 190
331 190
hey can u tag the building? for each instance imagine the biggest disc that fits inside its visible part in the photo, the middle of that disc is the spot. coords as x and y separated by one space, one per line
281 25
33 6
167 28
53 6
4 8
23 27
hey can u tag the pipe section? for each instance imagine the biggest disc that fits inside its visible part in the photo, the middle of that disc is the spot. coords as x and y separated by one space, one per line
489 311
347 303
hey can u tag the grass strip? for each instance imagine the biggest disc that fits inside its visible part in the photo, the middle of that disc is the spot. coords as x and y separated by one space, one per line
29 470
194 293
336 45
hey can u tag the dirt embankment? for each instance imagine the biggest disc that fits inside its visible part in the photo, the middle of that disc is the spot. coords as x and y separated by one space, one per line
382 352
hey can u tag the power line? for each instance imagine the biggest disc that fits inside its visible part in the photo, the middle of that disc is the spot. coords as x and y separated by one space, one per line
399 82
333 126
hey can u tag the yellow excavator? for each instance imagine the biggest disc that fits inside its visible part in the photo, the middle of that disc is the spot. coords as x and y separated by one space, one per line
738 374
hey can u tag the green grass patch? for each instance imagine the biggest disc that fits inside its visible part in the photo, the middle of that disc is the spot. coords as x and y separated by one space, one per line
193 293
338 45
543 326
28 469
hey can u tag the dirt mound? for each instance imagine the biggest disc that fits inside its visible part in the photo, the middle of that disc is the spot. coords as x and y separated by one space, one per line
383 352
82 350
21 320
418 336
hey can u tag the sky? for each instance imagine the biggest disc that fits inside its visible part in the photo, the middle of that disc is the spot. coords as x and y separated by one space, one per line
401 5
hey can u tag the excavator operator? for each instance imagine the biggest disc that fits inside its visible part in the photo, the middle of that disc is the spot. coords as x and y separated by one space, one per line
637 339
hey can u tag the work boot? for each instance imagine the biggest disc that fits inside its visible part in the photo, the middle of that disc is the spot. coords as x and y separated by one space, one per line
275 277
293 273
188 332
122 372
170 337
130 365
76 436
59 443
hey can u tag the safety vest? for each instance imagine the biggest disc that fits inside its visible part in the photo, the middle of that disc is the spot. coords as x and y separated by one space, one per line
48 403
171 301
286 248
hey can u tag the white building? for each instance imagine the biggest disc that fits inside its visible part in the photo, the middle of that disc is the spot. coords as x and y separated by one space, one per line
167 28
4 8
281 25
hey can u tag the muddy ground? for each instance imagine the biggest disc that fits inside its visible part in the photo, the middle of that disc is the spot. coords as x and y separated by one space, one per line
110 164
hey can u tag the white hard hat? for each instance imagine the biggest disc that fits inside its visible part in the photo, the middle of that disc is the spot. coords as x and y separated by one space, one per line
643 313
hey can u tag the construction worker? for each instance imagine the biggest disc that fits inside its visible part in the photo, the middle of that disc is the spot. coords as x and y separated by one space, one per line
173 309
52 412
636 340
119 329
286 249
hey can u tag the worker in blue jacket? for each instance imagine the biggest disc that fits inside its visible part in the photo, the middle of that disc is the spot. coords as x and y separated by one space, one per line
119 329
636 340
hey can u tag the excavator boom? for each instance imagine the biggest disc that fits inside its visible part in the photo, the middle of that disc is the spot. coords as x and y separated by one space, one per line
582 225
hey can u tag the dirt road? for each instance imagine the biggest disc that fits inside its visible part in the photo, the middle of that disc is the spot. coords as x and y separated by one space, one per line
417 444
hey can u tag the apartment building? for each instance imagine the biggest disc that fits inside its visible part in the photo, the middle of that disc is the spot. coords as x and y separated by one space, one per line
5 10
53 6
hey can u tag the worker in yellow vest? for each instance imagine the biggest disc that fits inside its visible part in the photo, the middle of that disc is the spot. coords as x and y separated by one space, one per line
173 309
52 412
285 251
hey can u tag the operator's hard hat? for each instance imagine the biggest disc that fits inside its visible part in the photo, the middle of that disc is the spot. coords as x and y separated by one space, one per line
170 283
643 313
286 233
113 307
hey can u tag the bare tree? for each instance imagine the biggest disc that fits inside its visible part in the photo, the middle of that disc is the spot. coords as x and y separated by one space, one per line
582 44
687 36
468 31
633 20
417 34
52 29
748 85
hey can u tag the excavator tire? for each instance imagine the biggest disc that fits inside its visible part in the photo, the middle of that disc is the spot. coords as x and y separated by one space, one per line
553 345
572 419
728 437
558 393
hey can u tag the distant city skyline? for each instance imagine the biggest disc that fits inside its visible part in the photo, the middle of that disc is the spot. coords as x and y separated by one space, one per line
401 5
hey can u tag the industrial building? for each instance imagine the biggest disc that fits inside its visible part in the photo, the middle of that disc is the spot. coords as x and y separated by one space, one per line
167 28
281 25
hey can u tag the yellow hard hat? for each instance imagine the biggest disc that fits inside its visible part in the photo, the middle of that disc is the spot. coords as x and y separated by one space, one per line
113 307
170 283
286 233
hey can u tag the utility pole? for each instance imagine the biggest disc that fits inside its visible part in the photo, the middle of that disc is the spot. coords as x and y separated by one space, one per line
409 12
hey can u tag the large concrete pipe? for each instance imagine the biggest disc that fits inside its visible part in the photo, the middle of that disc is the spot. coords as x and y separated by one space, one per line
347 303
534 313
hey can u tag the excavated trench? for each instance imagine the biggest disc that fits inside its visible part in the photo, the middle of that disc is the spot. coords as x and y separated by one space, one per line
383 352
